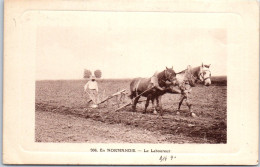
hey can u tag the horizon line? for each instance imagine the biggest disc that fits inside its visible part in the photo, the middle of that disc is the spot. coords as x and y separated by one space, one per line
106 78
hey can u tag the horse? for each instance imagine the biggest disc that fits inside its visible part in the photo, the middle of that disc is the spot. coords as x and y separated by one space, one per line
185 80
143 86
192 75
156 95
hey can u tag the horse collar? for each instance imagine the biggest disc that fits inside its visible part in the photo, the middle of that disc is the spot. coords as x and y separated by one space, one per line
162 78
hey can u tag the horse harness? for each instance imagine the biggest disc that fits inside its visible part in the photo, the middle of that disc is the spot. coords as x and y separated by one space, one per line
202 76
162 80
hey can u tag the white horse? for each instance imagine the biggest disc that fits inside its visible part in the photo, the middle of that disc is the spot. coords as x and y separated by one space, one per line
187 79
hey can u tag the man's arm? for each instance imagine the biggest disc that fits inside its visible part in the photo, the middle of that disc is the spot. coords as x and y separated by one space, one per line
155 83
158 87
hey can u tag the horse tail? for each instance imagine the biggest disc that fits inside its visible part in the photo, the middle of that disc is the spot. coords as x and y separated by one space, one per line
132 91
134 87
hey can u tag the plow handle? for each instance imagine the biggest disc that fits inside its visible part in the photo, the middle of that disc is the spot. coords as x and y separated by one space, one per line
111 96
134 98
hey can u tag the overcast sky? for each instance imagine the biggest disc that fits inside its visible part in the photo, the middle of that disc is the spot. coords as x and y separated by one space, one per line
126 45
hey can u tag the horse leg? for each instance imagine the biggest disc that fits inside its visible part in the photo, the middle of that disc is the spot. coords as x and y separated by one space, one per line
159 104
132 97
154 107
190 109
182 98
147 103
134 103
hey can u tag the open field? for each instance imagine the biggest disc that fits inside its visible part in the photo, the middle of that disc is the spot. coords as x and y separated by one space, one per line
219 80
62 115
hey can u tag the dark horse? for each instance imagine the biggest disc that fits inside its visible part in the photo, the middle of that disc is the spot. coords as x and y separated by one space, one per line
185 80
156 95
143 86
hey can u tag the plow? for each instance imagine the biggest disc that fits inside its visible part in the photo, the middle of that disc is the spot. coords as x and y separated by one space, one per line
120 96
128 104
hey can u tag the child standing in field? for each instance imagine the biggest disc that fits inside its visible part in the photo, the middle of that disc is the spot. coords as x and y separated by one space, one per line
91 88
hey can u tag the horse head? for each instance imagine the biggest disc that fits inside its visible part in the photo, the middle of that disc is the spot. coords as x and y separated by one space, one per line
205 74
170 75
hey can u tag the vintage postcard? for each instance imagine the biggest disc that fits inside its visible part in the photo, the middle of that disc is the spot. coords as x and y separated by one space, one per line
131 82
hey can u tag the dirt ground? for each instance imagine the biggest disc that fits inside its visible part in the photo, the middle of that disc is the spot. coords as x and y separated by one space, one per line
62 115
57 127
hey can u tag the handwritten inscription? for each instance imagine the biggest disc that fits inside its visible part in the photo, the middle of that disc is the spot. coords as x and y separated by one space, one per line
164 158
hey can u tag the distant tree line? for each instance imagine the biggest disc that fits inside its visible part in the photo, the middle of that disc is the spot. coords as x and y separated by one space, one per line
88 73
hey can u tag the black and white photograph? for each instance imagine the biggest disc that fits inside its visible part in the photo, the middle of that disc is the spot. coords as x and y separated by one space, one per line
122 80
131 82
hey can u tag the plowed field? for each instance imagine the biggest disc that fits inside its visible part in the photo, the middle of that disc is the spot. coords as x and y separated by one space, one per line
63 115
